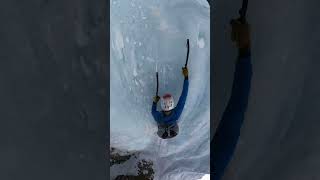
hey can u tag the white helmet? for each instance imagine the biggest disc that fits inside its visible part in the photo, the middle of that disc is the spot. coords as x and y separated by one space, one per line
167 102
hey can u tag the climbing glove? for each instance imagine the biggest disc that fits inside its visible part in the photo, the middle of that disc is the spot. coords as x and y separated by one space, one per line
185 72
240 34
156 99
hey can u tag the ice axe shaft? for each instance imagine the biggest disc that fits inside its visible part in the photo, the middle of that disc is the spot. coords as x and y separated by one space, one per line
243 11
187 54
157 83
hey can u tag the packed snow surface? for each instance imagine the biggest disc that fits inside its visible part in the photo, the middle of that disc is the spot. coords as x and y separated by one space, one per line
205 177
149 36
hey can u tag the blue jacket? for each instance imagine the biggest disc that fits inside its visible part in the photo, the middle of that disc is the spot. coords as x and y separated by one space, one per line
226 137
161 118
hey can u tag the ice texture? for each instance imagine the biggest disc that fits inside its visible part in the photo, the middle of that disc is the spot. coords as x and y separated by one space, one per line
149 36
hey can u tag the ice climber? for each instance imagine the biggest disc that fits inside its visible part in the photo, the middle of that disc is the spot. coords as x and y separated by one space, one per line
167 118
225 139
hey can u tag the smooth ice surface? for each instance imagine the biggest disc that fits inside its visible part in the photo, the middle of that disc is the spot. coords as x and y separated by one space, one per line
280 135
151 35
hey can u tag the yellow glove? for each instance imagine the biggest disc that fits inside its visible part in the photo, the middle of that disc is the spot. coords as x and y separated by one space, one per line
240 34
185 72
156 99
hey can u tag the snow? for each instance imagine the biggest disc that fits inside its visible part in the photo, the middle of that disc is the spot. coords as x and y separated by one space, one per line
152 38
205 177
126 168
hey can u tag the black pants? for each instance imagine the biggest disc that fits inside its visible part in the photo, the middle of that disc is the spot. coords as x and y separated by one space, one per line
168 131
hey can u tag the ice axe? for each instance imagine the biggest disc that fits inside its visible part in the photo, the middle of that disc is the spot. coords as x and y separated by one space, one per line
157 83
243 12
187 53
